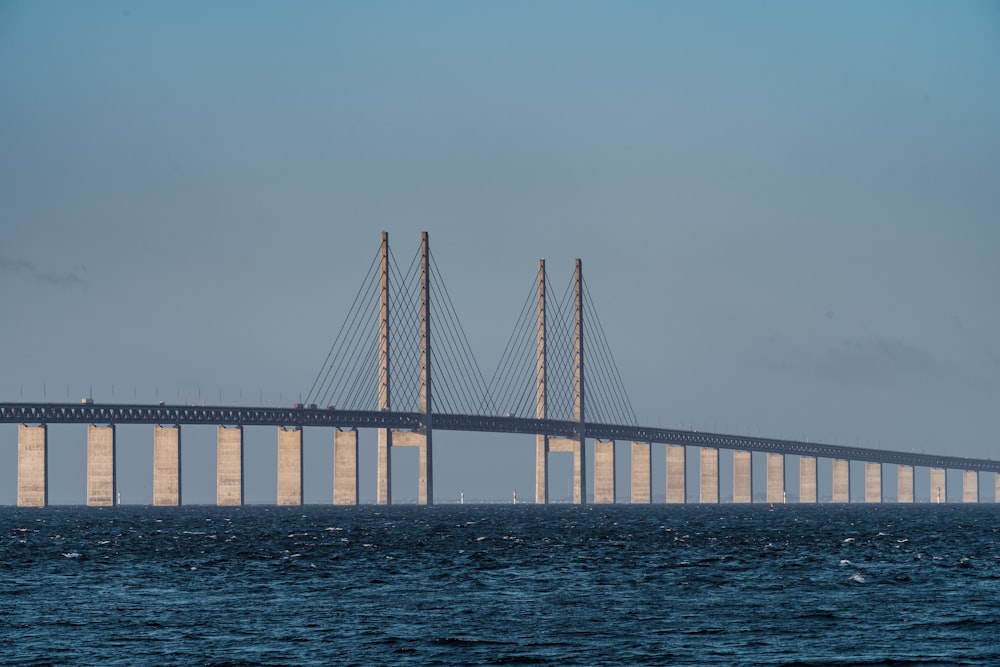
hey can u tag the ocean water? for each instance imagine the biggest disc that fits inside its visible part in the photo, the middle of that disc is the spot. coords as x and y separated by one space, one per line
512 585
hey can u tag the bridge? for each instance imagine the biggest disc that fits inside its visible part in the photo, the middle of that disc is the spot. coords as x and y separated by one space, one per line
378 375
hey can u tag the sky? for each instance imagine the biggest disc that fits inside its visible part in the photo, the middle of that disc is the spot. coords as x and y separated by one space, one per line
788 213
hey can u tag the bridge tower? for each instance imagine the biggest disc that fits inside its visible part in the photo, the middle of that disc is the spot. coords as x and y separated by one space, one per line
541 396
421 438
575 444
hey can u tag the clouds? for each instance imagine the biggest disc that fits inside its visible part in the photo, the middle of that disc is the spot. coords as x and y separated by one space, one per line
865 362
28 271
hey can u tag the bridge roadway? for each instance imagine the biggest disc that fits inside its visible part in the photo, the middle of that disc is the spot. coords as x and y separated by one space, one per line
76 413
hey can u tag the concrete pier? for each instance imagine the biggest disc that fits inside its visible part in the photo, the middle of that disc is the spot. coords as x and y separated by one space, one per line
166 465
775 478
709 479
841 481
290 468
642 477
904 484
808 480
422 442
101 485
345 467
970 486
383 491
676 475
32 466
604 472
939 485
873 482
575 447
541 470
229 467
742 477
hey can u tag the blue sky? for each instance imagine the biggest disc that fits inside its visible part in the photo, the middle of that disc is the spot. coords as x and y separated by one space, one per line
787 211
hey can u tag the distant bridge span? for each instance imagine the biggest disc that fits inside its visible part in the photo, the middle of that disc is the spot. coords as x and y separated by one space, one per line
75 413
379 373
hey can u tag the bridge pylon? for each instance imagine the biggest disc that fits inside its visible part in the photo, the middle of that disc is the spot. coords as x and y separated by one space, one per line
420 438
574 443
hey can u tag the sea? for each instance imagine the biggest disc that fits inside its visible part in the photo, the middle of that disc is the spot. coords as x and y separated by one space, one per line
501 585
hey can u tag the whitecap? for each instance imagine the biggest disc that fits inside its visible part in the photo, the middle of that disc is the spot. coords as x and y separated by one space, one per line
72 554
844 561
848 539
857 578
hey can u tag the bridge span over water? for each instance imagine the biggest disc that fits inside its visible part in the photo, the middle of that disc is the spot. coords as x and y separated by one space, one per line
541 375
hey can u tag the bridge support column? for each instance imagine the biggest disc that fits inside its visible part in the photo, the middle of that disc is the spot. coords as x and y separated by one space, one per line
970 486
575 447
604 472
808 479
904 484
290 466
541 470
939 485
642 479
742 477
676 475
166 465
709 481
873 482
841 481
383 494
229 467
423 442
775 478
101 466
345 467
32 466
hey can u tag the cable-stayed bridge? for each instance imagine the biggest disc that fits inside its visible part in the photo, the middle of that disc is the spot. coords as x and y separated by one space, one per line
407 369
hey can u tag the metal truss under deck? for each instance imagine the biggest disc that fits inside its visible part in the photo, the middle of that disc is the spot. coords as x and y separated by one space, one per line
74 413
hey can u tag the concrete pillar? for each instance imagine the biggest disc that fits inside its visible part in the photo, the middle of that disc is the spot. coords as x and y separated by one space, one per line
541 469
229 467
873 482
642 478
939 485
841 481
575 447
421 441
996 487
775 478
808 479
345 467
166 465
32 466
101 466
742 477
290 466
904 484
604 472
970 486
676 475
709 491
383 493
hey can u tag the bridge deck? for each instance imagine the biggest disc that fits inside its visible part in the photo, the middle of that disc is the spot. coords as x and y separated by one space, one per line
75 413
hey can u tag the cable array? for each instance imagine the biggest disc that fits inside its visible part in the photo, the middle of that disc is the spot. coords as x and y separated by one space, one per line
349 377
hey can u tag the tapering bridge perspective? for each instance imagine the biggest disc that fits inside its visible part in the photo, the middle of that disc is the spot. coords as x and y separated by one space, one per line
402 365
